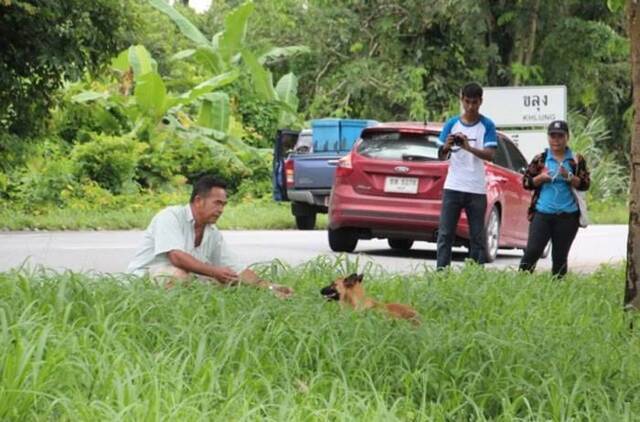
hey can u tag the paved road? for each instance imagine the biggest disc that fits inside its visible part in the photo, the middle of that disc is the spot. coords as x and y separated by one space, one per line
110 251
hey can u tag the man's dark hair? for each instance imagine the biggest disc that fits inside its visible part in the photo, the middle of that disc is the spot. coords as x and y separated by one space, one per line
471 90
203 185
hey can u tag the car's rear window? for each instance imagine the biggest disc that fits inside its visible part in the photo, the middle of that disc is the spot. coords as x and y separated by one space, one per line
399 146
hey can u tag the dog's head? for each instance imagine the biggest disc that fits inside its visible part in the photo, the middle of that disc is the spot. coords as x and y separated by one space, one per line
341 286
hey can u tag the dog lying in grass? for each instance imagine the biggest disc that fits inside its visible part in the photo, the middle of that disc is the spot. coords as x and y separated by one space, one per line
349 292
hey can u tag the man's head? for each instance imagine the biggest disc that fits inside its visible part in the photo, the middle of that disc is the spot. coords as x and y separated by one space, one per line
208 198
471 98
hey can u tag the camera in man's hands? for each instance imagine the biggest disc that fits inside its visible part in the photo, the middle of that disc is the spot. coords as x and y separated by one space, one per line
458 140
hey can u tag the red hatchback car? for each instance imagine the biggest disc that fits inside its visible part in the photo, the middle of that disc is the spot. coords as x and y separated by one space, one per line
390 186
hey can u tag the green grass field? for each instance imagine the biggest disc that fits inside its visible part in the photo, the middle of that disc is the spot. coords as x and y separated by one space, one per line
493 345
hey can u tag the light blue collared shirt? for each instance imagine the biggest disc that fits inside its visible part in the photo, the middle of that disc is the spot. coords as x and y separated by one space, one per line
556 196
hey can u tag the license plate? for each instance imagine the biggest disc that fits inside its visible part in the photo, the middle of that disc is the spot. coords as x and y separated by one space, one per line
401 184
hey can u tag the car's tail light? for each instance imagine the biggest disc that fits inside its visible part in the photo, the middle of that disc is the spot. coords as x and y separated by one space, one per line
289 172
344 167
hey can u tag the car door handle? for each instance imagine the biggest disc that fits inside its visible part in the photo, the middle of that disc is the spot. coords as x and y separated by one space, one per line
332 162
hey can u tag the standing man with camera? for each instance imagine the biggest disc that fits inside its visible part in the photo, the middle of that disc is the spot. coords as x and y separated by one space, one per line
466 141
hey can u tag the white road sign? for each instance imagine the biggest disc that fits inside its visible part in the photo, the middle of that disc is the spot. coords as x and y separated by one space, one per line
525 106
529 143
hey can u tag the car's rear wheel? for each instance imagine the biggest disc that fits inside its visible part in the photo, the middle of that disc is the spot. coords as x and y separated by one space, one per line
306 222
492 235
342 240
400 244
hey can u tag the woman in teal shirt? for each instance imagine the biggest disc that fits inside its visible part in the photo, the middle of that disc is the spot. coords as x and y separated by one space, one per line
554 213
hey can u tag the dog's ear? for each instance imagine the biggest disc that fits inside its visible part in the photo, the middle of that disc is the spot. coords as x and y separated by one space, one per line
351 280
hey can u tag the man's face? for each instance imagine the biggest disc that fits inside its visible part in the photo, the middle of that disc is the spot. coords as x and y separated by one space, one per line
471 105
209 208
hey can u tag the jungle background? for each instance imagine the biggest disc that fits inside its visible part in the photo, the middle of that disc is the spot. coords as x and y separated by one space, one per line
113 106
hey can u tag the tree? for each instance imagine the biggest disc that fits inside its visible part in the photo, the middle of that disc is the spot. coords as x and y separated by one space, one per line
44 42
632 285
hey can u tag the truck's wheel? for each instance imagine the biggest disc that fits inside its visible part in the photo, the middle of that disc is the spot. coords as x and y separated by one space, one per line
400 244
492 235
306 222
342 240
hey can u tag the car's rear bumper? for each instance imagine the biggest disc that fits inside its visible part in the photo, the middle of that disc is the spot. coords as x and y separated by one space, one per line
388 216
311 196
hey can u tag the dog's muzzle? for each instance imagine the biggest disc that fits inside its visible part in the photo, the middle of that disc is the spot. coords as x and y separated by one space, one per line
330 293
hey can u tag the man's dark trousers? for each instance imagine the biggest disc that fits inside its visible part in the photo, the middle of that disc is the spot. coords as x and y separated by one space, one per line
475 206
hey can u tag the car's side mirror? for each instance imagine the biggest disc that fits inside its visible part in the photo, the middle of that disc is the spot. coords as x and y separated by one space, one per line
522 170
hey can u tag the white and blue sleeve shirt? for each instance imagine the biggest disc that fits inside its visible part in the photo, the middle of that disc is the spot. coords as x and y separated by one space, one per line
466 171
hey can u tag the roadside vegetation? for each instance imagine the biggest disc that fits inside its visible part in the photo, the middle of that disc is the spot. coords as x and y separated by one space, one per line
242 216
495 345
108 109
255 215
148 98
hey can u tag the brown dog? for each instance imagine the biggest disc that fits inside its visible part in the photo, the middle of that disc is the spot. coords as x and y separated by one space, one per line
349 291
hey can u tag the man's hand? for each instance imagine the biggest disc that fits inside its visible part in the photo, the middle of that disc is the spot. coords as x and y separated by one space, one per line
248 276
465 141
283 292
450 142
224 275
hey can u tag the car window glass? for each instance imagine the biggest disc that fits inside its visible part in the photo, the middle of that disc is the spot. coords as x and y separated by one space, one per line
500 157
304 143
518 161
399 146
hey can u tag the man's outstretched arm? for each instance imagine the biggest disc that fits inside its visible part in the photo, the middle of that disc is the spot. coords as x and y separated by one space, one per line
224 275
187 262
248 276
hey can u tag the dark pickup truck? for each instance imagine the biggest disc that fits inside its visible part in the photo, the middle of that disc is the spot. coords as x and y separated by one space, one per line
304 169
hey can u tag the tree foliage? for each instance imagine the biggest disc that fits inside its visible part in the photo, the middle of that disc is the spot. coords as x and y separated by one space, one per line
222 82
398 60
46 42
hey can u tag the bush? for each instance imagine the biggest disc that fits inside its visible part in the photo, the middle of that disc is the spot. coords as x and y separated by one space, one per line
609 179
45 175
204 155
110 161
92 197
161 163
74 122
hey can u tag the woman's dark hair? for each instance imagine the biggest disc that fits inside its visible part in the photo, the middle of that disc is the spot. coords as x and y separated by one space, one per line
204 184
471 90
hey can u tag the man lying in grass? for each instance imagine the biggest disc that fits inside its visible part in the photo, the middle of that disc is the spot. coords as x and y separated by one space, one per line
182 244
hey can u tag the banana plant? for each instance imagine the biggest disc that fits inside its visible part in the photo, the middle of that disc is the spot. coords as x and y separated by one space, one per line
150 99
227 48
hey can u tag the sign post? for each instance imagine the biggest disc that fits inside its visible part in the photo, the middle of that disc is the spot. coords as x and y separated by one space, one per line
524 112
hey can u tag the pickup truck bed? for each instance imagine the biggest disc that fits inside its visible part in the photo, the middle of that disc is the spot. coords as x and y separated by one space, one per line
306 179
